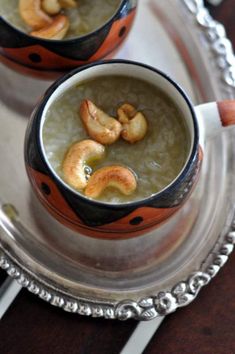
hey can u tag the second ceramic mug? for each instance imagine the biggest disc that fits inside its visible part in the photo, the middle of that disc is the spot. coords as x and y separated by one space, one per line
119 221
48 58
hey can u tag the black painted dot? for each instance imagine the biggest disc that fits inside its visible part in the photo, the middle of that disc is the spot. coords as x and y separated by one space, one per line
45 188
136 221
35 58
122 31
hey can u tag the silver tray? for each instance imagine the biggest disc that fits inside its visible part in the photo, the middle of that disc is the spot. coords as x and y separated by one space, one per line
144 277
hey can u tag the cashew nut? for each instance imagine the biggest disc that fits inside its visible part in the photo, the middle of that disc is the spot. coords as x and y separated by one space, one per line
118 177
56 30
125 112
33 15
76 160
134 123
67 3
99 125
53 7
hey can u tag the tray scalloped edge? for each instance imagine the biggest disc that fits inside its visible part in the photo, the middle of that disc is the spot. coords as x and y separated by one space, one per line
215 34
145 309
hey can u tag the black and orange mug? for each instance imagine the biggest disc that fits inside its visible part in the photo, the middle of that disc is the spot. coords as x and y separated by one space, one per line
49 58
128 219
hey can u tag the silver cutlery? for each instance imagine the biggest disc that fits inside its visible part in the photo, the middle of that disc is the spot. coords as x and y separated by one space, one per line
8 292
141 336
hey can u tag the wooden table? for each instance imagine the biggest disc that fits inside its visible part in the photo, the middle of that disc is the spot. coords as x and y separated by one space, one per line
205 327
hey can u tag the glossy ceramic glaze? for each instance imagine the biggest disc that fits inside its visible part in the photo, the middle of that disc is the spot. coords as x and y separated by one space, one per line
50 57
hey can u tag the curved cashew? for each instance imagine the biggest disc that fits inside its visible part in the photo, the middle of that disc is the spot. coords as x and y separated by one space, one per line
125 112
99 125
53 7
32 14
67 3
134 123
56 30
76 158
118 177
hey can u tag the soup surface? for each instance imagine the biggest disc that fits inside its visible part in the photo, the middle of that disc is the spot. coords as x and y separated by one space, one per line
87 17
156 160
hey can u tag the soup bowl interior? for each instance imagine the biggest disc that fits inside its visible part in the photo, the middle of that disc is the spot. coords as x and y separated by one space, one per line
130 71
84 18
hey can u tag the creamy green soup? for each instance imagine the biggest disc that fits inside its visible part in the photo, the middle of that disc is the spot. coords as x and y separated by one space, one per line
156 160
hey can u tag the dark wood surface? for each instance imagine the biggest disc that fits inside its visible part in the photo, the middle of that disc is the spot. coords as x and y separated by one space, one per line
204 327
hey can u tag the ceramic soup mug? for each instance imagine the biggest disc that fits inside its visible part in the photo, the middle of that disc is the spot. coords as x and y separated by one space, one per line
164 162
48 57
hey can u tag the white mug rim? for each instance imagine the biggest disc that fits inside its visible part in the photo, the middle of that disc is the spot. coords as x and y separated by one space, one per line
43 106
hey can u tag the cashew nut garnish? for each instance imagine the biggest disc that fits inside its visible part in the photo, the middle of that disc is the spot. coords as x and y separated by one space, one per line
53 7
56 30
98 124
118 177
78 156
67 3
33 15
134 123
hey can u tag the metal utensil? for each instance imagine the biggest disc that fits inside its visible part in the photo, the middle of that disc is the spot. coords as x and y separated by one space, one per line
142 336
8 292
215 2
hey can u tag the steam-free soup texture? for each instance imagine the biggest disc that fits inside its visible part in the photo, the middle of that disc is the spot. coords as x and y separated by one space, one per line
87 17
156 160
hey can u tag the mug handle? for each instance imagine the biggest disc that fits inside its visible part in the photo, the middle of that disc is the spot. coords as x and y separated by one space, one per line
213 117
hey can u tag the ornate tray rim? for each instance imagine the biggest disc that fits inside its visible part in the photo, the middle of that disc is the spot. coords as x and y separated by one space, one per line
182 293
147 308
